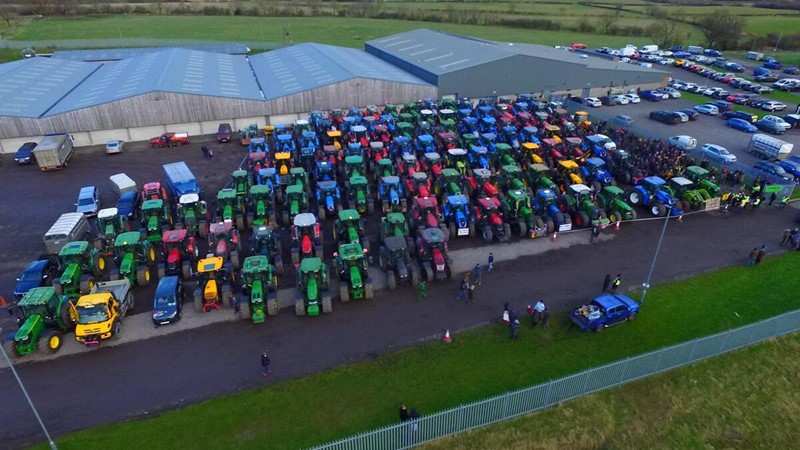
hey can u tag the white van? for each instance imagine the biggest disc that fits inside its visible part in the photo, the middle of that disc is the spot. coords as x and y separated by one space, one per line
686 143
69 227
647 49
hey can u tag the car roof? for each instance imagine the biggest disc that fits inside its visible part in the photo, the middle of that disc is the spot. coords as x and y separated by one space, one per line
87 190
166 286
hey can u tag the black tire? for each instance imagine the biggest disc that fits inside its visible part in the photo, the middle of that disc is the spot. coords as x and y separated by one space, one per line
227 295
614 216
285 219
486 234
56 283
65 314
522 228
86 284
415 275
582 219
142 275
600 329
162 271
116 329
272 305
327 303
52 340
391 280
657 210
198 300
344 292
632 316
551 226
428 271
235 260
11 348
472 229
299 305
369 289
635 198
295 256
186 270
451 229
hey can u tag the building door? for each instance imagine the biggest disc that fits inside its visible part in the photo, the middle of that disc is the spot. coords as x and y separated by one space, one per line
585 92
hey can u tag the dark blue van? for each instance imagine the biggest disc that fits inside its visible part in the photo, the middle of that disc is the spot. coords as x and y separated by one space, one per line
168 301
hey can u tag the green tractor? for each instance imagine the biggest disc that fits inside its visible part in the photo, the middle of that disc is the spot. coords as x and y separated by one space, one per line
156 219
261 207
241 182
259 289
43 317
110 224
134 257
395 224
296 203
503 155
312 296
541 177
267 242
83 265
612 199
519 213
349 229
577 202
687 193
511 177
299 177
192 215
451 182
395 259
702 178
354 167
359 197
230 207
354 280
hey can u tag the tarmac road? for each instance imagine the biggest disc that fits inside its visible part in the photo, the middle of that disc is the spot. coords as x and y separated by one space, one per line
141 379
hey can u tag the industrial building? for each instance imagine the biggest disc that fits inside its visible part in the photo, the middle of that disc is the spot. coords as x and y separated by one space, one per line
466 67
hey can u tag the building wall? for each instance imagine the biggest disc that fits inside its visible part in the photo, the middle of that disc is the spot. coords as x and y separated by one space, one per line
403 64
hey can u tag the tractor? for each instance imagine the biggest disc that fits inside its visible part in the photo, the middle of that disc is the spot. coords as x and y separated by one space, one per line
230 207
134 258
569 173
400 146
261 207
394 224
324 171
541 177
531 154
408 165
702 178
353 166
259 289
299 177
83 265
390 195
267 242
110 224
458 216
481 184
418 185
224 241
652 193
395 259
620 165
192 215
578 204
241 182
282 164
329 199
359 197
214 284
43 317
155 220
593 170
432 254
296 203
612 200
385 168
354 280
180 254
154 191
458 159
489 220
425 213
511 177
451 183
432 164
349 229
306 238
687 193
312 296
546 206
503 156
479 158
519 214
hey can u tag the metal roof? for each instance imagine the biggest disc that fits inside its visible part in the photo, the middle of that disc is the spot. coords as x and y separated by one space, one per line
307 66
115 54
30 88
173 70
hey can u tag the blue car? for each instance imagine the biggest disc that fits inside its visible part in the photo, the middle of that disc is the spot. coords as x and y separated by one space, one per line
88 201
37 273
774 64
653 96
604 311
167 304
25 154
792 167
127 204
742 125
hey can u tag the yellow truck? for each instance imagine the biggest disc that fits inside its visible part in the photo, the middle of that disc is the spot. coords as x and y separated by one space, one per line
101 311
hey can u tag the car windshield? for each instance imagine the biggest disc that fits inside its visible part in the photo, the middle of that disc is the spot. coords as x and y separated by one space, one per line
778 170
29 277
723 151
112 144
85 201
92 314
165 302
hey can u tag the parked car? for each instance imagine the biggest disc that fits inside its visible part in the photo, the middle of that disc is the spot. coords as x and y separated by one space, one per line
766 77
666 61
633 98
773 105
665 117
779 120
722 105
742 125
114 146
620 99
651 95
770 127
88 201
717 153
774 64
682 116
683 142
576 99
792 71
606 101
37 273
707 109
693 115
224 132
25 153
594 102
168 300
746 116
792 168
759 89
623 121
792 119
604 311
128 204
738 68
773 169
670 92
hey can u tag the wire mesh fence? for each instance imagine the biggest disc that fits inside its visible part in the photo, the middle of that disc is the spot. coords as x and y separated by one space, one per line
535 398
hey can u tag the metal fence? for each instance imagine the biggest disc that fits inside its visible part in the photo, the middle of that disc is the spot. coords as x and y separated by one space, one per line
536 398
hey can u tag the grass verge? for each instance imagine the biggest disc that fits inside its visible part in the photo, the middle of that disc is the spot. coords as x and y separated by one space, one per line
742 400
333 404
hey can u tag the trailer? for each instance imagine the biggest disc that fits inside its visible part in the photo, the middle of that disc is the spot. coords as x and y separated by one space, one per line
69 227
768 147
53 152
180 180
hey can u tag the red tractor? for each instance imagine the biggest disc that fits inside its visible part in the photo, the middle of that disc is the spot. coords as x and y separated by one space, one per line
489 220
180 254
481 184
425 213
432 254
223 241
154 191
418 185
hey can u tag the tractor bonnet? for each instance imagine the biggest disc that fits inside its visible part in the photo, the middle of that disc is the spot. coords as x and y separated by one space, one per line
209 264
107 213
304 220
171 236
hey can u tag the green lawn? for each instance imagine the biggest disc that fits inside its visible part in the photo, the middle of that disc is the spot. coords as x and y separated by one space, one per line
481 363
743 400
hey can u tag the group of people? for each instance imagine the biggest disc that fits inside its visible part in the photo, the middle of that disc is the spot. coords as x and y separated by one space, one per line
756 255
791 237
472 279
539 313
652 157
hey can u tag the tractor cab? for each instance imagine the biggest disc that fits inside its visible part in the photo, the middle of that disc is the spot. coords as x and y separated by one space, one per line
574 146
81 264
223 241
354 166
702 178
309 139
385 168
570 172
510 136
110 223
553 132
307 237
324 171
406 129
349 226
131 254
427 214
354 149
511 177
450 183
524 118
155 218
503 155
211 277
457 159
419 184
541 176
409 164
312 281
285 144
390 192
433 163
257 145
256 161
531 152
241 182
529 134
432 251
358 134
488 140
377 151
446 141
594 169
259 283
334 139
295 203
394 224
400 147
424 144
582 119
351 265
580 191
179 250
298 177
282 163
478 157
482 183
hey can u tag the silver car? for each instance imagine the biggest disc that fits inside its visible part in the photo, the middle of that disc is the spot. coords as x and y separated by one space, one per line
114 146
717 153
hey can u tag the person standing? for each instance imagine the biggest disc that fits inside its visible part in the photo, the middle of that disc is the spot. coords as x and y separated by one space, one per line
478 272
515 329
751 259
414 417
470 293
204 149
760 254
545 317
787 233
595 232
606 283
266 364
491 261
403 413
616 283
422 292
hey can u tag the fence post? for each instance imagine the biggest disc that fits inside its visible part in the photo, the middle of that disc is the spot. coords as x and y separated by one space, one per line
505 405
549 391
461 417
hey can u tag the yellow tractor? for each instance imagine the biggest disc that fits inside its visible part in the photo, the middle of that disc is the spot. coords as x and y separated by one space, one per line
214 284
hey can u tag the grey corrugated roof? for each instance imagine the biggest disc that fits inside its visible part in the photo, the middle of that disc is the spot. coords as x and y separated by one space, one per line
30 88
307 66
564 55
115 54
173 70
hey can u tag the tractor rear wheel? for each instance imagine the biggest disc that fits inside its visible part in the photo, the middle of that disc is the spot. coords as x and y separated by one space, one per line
321 213
279 269
151 255
657 210
391 280
202 227
239 222
344 292
99 264
563 203
506 232
142 275
551 226
65 314
614 216
327 304
581 219
235 259
57 286
428 271
299 305
115 330
445 230
162 271
10 347
451 229
559 218
295 256
382 259
186 270
87 283
198 300
272 304
414 270
486 233
635 198
250 219
684 205
522 228
285 219
227 295
370 208
369 289
52 341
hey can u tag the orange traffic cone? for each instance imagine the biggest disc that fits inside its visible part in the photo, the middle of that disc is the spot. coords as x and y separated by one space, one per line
447 339
616 226
555 236
3 302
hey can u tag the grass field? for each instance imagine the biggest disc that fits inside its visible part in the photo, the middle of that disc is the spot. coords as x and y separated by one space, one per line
743 400
433 377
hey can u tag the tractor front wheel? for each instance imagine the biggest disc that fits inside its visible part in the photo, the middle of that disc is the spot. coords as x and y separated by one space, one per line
506 232
87 283
614 216
272 304
52 341
657 210
143 275
522 228
551 226
486 233
327 304
186 270
428 271
162 271
344 292
279 265
198 301
227 295
391 280
635 198
115 330
414 275
299 305
451 229
581 219
235 259
321 213
10 347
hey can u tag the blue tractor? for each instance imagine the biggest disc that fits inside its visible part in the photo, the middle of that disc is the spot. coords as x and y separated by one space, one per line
390 195
354 149
266 176
488 140
488 125
257 144
595 174
424 144
329 200
653 193
510 136
457 216
468 125
484 111
401 145
529 134
308 158
324 171
598 144
545 205
479 157
285 143
309 139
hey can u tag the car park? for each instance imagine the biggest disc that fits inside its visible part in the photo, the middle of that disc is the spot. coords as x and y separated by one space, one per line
667 117
168 301
683 142
773 105
37 273
114 146
633 98
88 201
717 153
707 109
25 154
772 169
742 125
594 102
